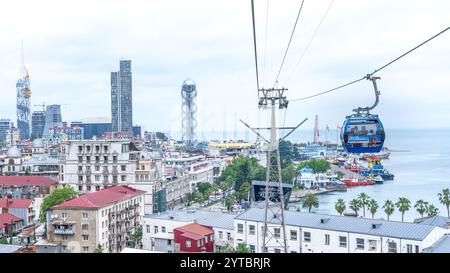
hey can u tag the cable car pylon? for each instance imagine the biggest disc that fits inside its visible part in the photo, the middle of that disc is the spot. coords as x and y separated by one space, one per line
274 230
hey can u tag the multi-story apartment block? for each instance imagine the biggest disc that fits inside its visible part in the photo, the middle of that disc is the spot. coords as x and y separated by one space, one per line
106 218
316 233
22 208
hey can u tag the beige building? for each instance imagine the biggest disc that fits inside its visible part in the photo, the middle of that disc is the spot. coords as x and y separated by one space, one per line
107 218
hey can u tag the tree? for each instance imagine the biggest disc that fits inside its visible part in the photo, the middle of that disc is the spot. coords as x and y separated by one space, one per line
403 205
58 196
204 187
432 210
373 207
310 201
340 206
199 197
388 208
242 169
363 201
136 237
354 205
229 202
288 174
243 192
444 198
161 136
317 165
4 241
421 207
242 248
99 249
340 174
27 173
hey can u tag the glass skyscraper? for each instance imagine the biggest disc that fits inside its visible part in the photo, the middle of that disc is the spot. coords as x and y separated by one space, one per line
121 98
52 118
37 124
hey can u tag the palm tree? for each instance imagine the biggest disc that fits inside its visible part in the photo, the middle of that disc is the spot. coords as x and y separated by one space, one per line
432 210
403 205
421 207
388 208
310 201
363 201
444 198
373 207
355 205
340 206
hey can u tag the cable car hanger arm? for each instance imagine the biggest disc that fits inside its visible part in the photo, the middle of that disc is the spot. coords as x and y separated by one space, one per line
366 110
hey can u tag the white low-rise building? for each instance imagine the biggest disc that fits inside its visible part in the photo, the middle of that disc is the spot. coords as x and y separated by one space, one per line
316 233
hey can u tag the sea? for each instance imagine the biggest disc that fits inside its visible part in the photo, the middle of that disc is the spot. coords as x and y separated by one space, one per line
420 161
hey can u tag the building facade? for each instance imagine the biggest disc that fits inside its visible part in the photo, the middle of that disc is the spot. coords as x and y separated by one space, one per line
5 125
53 118
189 112
106 218
24 104
37 124
121 98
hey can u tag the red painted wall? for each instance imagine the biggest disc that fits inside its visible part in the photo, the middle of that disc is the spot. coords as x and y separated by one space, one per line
180 239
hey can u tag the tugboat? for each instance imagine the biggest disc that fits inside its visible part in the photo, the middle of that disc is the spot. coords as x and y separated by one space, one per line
350 182
376 168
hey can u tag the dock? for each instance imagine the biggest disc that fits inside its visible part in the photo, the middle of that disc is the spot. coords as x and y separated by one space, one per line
296 196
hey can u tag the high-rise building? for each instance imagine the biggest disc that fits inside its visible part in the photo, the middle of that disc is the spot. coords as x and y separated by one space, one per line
52 118
12 136
188 111
137 130
37 124
121 98
5 125
23 102
316 130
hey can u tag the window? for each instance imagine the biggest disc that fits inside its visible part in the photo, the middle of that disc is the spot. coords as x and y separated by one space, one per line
80 149
252 248
293 251
206 239
169 242
276 232
251 230
392 247
97 159
80 168
228 236
327 239
123 178
342 241
85 237
97 168
359 243
115 159
163 229
88 159
80 159
277 250
293 234
123 167
97 178
114 169
372 245
307 236
80 178
188 243
114 178
86 226
64 215
148 229
105 159
409 248
80 188
220 234
417 249
85 249
155 229
88 188
198 243
240 228
105 178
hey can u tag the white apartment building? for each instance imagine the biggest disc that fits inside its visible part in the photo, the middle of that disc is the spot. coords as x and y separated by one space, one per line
316 233
158 229
107 218
197 166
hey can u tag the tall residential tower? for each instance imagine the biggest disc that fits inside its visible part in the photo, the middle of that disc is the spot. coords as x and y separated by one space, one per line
121 98
23 102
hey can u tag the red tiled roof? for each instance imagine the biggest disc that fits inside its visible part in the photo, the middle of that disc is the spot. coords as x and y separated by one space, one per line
196 229
100 199
26 181
15 203
7 218
193 236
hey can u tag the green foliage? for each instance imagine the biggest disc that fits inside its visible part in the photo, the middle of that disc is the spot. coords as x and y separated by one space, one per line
4 241
229 202
27 173
340 174
317 165
243 192
98 249
421 207
286 153
58 196
363 199
355 205
288 174
161 136
340 206
136 237
204 188
432 210
373 207
240 248
310 201
444 198
403 205
243 169
388 208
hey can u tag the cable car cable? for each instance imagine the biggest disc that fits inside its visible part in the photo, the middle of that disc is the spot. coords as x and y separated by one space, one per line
289 43
254 45
375 71
265 42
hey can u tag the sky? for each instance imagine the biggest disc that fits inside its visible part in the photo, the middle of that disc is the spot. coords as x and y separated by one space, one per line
71 47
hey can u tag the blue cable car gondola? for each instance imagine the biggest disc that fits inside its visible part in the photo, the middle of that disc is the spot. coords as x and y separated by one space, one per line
363 132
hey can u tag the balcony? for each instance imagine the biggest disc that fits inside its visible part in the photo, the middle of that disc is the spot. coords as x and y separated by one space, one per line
64 231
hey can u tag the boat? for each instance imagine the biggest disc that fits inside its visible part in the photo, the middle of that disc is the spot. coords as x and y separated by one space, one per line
376 168
377 178
350 182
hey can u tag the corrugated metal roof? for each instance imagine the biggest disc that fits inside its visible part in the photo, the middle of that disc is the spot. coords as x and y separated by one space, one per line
383 228
9 248
440 246
437 221
213 219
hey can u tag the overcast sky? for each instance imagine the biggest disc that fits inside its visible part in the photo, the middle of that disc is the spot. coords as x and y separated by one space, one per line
72 46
